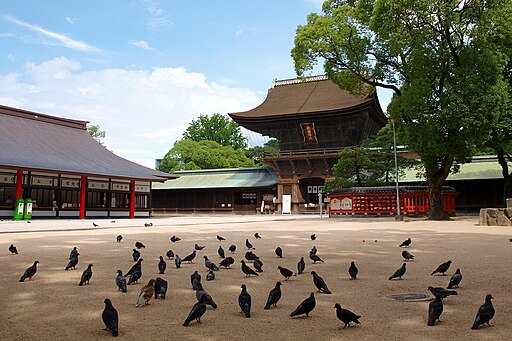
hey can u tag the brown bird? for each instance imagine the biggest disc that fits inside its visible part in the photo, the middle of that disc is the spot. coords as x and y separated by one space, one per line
146 292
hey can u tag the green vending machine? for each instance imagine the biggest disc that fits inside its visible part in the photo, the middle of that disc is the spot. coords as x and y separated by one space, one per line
19 205
27 213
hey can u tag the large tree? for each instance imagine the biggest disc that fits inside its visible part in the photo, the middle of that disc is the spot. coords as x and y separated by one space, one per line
218 128
271 147
96 132
441 59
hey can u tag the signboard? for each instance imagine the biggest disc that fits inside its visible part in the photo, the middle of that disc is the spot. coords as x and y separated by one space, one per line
314 189
70 183
41 181
118 186
335 204
308 132
346 204
7 178
142 188
287 204
97 185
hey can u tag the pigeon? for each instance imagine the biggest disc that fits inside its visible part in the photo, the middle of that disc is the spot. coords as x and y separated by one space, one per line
232 248
72 263
407 255
13 249
121 281
287 273
135 255
258 264
110 317
313 250
196 313
190 257
139 245
248 244
257 235
247 270
320 283
250 256
135 272
227 262
442 268
31 271
398 273
169 254
177 261
435 309
86 275
279 252
202 294
119 238
221 253
313 236
198 247
406 243
160 286
175 239
146 292
73 253
305 307
485 313
161 266
112 221
244 301
346 316
441 292
273 296
301 266
95 225
210 276
195 278
209 264
220 238
455 280
314 257
148 224
352 270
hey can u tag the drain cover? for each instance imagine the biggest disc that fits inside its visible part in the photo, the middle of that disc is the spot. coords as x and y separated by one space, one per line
410 297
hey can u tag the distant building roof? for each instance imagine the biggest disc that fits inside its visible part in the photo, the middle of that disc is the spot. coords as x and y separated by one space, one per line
35 141
220 178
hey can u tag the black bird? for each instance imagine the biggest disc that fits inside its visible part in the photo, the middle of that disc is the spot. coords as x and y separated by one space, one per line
209 264
441 292
162 265
320 283
398 273
258 264
175 239
95 225
346 316
248 244
210 276
244 301
406 242
196 313
86 275
177 261
121 281
257 236
435 309
313 250
455 280
221 253
247 270
72 263
73 253
148 224
227 262
287 273
195 279
485 313
352 270
190 257
139 245
170 254
313 236
301 266
31 271
279 252
110 318
13 249
305 307
407 255
314 257
442 268
219 238
112 221
119 238
273 296
135 255
198 247
135 272
201 293
160 286
250 256
232 248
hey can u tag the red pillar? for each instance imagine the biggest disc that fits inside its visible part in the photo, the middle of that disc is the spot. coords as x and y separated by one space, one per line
19 184
132 199
83 185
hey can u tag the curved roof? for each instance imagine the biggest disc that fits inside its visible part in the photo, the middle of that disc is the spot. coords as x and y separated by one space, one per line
36 141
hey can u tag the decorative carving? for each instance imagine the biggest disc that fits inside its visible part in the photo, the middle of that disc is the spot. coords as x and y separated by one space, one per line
308 132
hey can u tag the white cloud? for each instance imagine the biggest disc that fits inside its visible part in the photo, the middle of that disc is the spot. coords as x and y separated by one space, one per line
238 33
142 111
142 44
69 20
158 17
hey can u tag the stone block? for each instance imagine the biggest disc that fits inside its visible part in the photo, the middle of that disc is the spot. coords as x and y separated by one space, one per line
502 220
492 212
508 213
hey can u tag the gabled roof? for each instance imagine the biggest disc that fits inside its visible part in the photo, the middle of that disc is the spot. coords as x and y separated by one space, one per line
35 141
220 178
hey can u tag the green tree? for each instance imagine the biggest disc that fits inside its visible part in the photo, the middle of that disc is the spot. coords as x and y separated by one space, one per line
96 132
188 154
271 147
218 128
442 59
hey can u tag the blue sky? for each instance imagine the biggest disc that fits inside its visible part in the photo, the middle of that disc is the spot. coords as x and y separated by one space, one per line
143 69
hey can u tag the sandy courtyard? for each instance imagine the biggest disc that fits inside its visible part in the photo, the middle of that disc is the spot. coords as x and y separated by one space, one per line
53 307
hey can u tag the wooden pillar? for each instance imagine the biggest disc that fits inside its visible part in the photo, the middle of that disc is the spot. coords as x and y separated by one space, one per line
132 199
279 200
19 184
83 187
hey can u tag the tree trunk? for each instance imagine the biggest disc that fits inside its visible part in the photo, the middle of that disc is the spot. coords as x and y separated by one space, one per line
435 181
507 177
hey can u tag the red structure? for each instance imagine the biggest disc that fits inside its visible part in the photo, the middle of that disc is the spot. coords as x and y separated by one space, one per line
382 200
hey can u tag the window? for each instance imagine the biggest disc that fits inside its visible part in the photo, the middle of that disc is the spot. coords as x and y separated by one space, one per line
97 199
120 200
141 201
69 199
42 197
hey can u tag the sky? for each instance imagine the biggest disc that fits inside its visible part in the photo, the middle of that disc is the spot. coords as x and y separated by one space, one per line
144 69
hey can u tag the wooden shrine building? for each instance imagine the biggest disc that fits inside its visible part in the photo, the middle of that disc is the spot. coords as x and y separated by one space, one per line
313 119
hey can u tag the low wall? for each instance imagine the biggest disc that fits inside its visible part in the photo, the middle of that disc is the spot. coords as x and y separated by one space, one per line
496 216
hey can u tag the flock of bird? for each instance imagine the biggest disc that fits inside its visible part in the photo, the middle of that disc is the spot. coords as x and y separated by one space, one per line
158 287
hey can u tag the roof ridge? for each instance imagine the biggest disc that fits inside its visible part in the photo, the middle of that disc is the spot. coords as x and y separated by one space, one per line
32 115
299 80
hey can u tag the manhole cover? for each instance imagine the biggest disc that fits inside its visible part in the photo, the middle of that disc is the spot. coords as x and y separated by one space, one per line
410 297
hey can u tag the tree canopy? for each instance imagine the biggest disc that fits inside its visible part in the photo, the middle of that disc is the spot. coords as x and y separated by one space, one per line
257 153
218 128
96 132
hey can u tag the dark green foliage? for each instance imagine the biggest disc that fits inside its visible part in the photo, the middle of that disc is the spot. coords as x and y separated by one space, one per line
218 128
